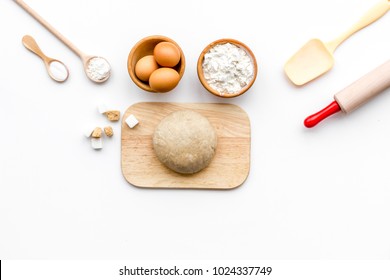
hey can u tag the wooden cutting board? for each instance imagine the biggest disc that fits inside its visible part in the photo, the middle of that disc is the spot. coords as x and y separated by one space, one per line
228 169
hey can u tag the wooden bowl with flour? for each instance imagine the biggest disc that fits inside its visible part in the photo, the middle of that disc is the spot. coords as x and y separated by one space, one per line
227 68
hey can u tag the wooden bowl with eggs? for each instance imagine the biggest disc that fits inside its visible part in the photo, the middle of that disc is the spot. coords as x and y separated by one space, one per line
156 64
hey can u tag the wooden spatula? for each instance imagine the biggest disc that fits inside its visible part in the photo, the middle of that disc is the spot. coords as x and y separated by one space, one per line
316 57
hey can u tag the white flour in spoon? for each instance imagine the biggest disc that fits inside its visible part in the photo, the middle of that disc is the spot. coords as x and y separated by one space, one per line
98 69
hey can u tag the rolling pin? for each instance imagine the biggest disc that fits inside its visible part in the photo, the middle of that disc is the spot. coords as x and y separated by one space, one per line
355 95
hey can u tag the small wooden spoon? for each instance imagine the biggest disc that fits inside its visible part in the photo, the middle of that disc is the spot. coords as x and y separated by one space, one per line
316 57
57 69
96 68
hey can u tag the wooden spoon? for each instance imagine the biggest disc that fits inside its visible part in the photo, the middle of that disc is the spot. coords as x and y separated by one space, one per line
57 69
316 58
96 68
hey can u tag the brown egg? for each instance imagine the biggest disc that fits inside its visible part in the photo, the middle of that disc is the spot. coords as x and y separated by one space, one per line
166 54
145 67
164 79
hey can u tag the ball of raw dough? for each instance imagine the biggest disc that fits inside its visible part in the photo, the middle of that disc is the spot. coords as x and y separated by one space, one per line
185 141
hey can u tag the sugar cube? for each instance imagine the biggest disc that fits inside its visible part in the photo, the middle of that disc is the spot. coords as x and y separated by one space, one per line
102 108
113 115
97 133
131 121
108 131
88 132
97 143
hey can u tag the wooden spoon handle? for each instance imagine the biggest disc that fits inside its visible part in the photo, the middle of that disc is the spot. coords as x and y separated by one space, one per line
364 89
372 15
49 27
32 45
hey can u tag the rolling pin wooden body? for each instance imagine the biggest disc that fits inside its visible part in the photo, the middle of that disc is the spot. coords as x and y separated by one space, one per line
364 89
355 95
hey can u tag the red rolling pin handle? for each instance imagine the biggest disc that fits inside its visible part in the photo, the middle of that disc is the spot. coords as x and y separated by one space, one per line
329 110
356 94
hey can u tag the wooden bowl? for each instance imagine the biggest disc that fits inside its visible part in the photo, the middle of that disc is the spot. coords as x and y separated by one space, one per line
145 47
203 79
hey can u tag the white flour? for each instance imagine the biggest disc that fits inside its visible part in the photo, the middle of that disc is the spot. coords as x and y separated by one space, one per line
227 68
98 69
58 71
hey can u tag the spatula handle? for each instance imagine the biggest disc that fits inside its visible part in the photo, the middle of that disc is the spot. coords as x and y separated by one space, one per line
364 89
372 15
49 27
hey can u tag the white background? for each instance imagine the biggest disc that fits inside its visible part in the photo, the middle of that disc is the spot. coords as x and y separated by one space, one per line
322 193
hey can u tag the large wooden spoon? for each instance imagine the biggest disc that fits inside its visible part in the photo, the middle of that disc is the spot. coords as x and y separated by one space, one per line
316 58
96 68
